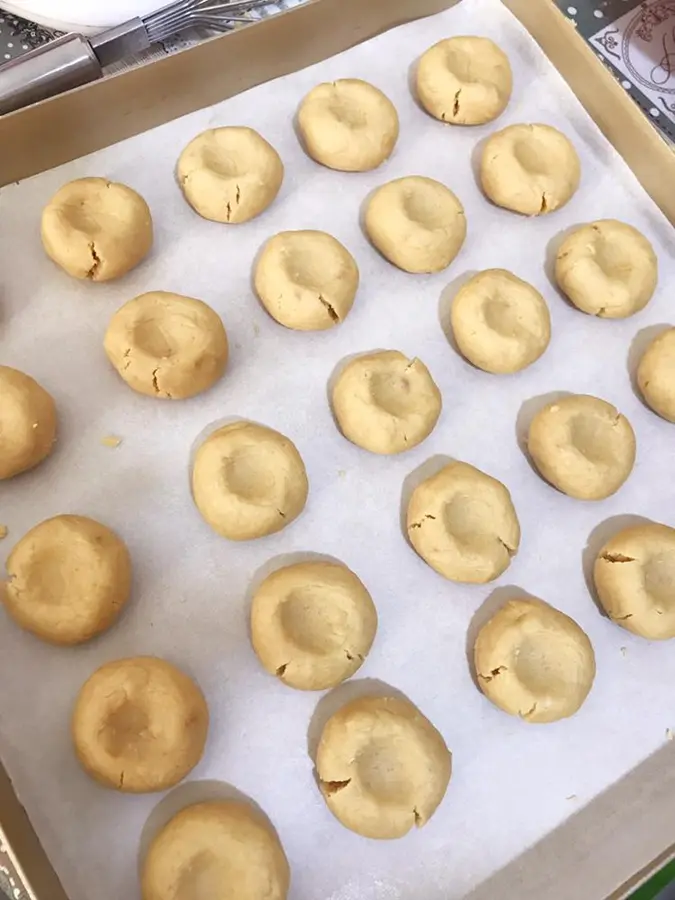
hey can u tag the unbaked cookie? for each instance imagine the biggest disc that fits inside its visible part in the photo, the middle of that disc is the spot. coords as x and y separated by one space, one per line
312 624
463 524
27 423
218 850
607 269
416 223
248 481
583 446
382 766
139 725
69 579
501 324
531 169
97 229
464 80
634 576
534 662
306 280
166 345
385 402
348 125
230 174
656 375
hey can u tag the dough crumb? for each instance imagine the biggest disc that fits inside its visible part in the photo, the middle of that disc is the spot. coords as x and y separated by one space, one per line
111 440
669 734
342 473
571 797
4 531
624 651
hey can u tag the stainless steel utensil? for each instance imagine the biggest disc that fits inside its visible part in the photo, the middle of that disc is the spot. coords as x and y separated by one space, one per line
73 60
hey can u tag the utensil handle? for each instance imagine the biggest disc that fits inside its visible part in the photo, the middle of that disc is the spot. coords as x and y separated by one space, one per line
55 67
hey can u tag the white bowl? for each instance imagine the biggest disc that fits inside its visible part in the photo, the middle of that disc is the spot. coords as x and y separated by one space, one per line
85 16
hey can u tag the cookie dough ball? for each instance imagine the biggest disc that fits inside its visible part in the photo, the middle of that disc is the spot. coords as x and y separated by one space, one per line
69 579
27 423
583 446
139 725
96 229
634 576
312 624
230 174
385 402
348 125
306 280
656 375
534 662
501 324
463 524
464 80
218 850
531 169
167 346
248 481
416 223
382 767
607 269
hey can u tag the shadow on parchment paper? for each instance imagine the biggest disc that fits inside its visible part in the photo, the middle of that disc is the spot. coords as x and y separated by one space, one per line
445 302
526 413
429 468
476 160
484 613
638 345
552 250
596 541
188 794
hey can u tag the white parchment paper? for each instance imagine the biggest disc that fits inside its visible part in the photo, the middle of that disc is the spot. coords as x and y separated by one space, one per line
512 782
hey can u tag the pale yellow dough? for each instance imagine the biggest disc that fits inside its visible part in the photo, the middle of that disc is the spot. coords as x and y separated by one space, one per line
230 174
382 766
501 324
530 169
534 662
312 624
96 229
69 579
217 850
634 576
583 446
248 481
464 80
139 725
463 524
607 269
416 223
27 423
348 125
656 375
306 280
167 346
385 402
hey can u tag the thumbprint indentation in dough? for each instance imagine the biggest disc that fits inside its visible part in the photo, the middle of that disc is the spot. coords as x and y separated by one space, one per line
125 728
347 111
540 662
592 437
227 165
470 519
316 618
393 393
532 156
659 578
248 475
502 317
160 338
384 771
424 206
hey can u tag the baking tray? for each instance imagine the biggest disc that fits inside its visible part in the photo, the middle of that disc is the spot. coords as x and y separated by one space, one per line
579 859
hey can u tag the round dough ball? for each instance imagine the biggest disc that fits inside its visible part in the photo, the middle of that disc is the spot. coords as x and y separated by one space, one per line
463 524
306 280
656 375
607 269
583 446
248 481
464 80
416 223
534 662
27 423
139 725
348 125
531 169
96 229
230 174
501 324
69 579
218 850
634 576
385 402
312 624
382 766
167 346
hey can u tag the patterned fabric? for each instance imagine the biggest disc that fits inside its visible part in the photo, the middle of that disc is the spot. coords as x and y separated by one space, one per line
18 36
